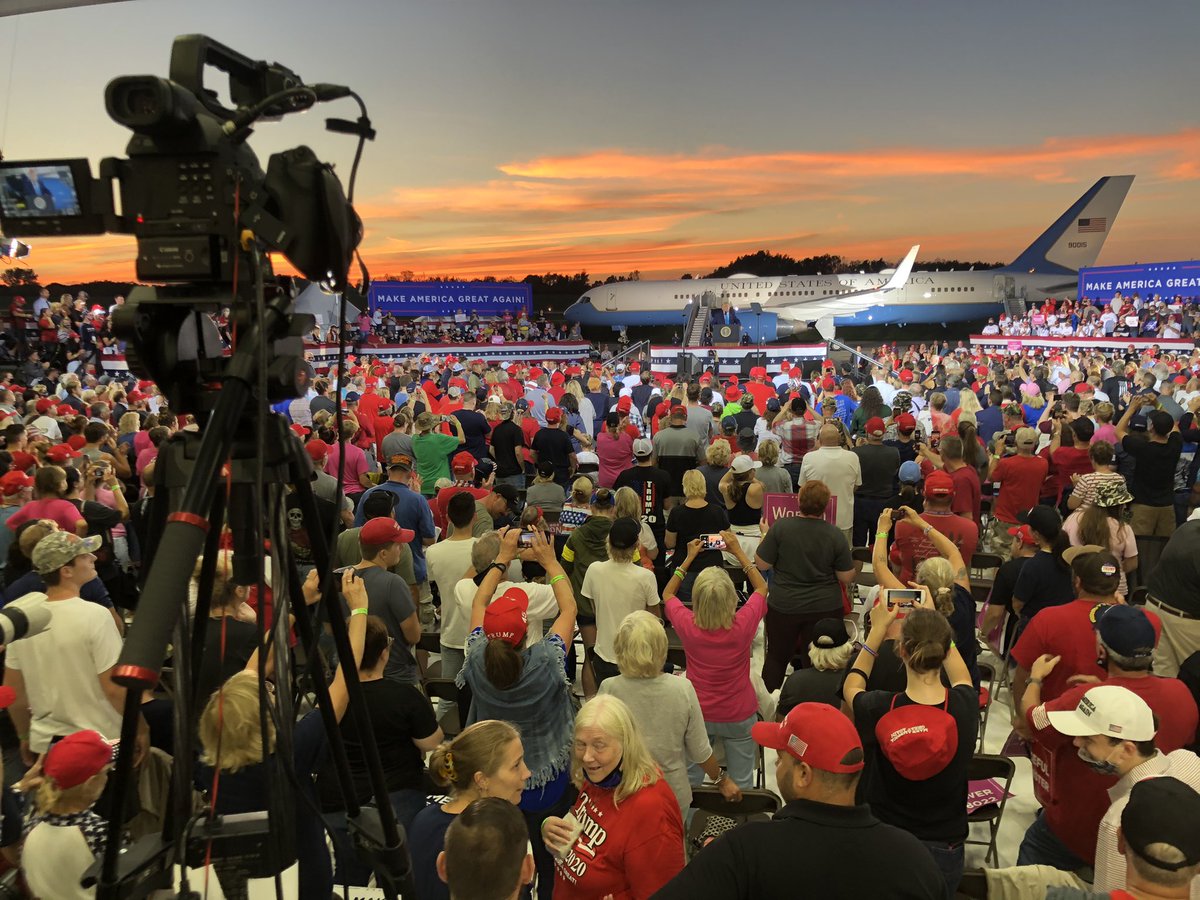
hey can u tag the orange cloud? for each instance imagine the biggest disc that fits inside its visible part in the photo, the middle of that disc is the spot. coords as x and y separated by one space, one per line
613 210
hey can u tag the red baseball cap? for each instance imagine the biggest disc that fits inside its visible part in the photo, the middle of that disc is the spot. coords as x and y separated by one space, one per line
384 530
301 430
732 393
919 741
60 453
317 449
557 378
828 364
76 441
463 462
635 367
906 376
875 427
624 404
906 422
507 617
939 484
1025 533
44 405
22 461
829 383
14 482
553 415
66 409
817 734
77 758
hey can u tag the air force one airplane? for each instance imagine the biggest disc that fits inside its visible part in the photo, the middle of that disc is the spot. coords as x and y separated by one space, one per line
773 307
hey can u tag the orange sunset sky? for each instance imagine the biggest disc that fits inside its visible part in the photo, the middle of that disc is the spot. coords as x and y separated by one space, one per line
523 137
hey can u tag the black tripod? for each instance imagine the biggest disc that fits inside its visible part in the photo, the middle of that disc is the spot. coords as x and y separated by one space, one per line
218 474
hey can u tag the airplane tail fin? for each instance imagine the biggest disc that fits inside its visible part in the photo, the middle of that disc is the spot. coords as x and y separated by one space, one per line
1074 240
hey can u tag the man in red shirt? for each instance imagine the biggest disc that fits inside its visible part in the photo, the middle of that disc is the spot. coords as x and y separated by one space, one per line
1073 798
462 466
1069 448
1068 631
1020 477
758 388
912 547
967 489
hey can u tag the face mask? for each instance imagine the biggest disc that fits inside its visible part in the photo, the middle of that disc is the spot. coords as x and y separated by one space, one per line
1099 766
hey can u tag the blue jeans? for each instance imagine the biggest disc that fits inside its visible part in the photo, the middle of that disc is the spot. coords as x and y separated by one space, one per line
1042 847
517 481
949 858
740 751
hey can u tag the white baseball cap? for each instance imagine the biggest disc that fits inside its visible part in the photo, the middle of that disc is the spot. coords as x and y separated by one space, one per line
743 464
1107 709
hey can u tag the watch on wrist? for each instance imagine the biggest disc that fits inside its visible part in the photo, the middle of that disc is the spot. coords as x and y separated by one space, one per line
499 566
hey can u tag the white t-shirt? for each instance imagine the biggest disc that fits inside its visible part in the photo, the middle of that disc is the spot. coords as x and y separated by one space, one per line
55 858
542 606
60 668
841 472
448 561
616 589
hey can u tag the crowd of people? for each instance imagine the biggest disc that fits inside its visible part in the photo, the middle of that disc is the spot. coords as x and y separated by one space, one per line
581 595
1122 317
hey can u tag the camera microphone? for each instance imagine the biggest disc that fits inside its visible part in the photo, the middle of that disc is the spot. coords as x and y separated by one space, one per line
327 92
24 617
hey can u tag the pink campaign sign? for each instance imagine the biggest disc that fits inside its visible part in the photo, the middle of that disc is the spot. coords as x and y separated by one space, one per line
783 506
1015 347
984 793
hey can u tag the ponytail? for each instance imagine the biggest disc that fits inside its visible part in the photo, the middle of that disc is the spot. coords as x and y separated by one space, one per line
925 640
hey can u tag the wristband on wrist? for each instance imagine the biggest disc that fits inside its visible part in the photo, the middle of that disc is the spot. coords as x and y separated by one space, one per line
556 579
881 535
874 655
1036 680
680 574
361 611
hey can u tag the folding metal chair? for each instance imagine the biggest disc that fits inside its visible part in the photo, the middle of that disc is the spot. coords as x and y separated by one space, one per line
707 800
982 767
987 676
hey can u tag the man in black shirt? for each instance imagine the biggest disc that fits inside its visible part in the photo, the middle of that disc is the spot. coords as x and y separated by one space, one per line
820 759
552 444
1155 457
507 442
475 427
879 465
652 484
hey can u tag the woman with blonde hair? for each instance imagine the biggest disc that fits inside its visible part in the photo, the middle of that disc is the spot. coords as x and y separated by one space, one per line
716 463
743 497
587 411
665 708
689 520
717 638
772 476
234 751
632 839
968 402
486 760
629 505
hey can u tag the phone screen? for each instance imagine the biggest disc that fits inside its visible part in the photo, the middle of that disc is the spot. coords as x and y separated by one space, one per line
712 542
526 539
904 598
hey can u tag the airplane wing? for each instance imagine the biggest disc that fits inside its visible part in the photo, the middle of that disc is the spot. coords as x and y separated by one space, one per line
814 308
848 302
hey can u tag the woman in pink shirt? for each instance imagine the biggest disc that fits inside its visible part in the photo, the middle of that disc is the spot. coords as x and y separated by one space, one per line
716 638
614 446
50 489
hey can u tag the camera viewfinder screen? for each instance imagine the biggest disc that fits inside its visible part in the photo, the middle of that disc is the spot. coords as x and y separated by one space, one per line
35 192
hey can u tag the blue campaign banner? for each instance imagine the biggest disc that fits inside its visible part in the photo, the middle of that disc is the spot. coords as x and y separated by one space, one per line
447 298
1167 280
